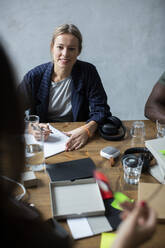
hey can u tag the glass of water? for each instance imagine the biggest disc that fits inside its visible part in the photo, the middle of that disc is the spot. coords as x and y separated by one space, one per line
138 129
34 147
138 133
132 166
160 129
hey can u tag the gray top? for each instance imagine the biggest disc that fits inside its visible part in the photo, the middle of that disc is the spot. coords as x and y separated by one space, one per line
60 108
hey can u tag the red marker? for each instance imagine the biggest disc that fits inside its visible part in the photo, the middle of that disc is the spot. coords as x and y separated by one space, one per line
103 185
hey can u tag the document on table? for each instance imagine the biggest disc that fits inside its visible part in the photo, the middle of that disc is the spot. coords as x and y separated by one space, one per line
54 144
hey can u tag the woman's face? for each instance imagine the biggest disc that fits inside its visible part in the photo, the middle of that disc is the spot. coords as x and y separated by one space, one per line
65 51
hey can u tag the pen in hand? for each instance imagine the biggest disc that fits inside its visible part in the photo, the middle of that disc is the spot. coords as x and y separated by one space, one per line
38 128
42 128
46 130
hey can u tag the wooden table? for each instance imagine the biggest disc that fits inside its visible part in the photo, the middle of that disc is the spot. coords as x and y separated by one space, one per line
40 195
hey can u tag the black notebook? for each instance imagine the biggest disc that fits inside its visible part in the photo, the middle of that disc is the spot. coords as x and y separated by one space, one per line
71 170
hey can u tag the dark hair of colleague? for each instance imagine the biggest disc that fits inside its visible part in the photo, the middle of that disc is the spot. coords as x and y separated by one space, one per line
21 225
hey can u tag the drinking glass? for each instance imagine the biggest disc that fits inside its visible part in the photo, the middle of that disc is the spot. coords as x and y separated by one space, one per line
34 147
138 133
160 129
31 121
138 129
132 166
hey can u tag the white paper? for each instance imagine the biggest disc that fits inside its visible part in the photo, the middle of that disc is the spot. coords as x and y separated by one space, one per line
154 146
55 142
53 145
80 228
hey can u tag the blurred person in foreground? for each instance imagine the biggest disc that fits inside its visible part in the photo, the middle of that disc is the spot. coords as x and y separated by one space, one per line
21 225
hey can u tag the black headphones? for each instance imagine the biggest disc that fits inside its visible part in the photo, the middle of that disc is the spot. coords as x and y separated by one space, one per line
112 129
145 156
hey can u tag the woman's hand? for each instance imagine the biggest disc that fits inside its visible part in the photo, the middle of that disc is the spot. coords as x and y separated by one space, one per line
138 226
79 136
36 129
45 130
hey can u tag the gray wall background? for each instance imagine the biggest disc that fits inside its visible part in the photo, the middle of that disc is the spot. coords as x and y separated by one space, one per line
125 39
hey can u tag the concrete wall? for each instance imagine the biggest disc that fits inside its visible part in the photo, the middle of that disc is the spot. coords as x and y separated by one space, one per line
125 39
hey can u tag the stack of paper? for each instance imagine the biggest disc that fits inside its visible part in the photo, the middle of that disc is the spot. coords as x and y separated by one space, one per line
157 148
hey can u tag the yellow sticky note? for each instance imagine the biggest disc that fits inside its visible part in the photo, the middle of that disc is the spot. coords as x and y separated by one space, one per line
107 240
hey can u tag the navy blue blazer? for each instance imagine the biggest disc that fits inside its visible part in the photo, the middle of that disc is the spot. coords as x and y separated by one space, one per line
88 98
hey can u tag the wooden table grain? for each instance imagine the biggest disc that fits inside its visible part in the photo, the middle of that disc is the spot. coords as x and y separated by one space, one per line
40 195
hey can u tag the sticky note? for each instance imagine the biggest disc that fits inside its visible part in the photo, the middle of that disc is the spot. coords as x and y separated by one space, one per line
118 199
162 152
107 240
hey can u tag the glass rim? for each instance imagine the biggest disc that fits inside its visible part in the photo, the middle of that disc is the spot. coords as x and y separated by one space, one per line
138 124
34 118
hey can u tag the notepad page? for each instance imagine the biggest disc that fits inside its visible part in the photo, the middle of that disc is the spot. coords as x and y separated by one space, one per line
55 143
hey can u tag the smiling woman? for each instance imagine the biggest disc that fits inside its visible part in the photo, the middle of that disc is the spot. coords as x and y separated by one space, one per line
67 89
65 50
68 29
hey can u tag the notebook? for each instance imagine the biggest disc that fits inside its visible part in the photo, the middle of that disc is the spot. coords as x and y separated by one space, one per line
71 170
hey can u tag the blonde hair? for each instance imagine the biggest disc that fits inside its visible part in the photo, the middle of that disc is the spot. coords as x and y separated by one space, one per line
67 29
